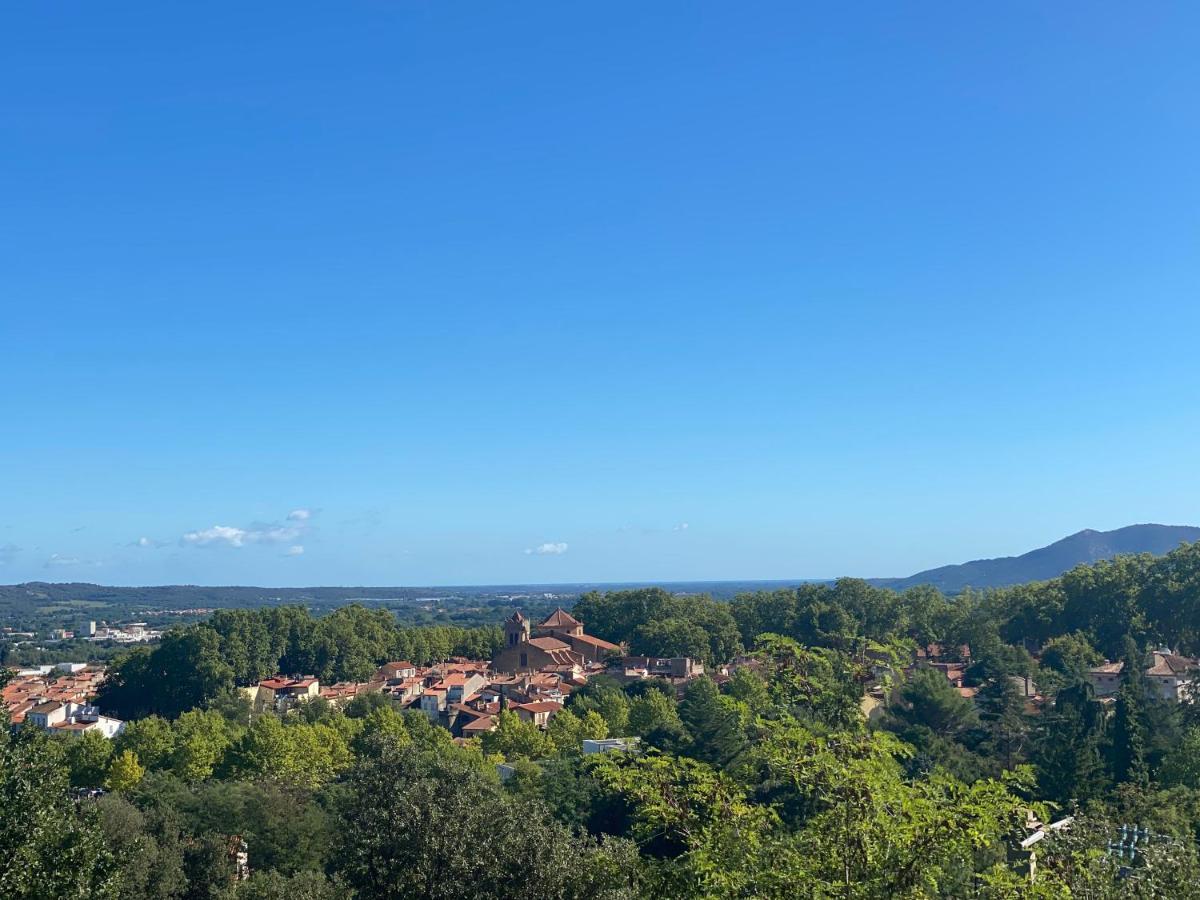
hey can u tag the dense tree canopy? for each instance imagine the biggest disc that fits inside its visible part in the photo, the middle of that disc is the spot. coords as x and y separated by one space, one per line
197 666
654 622
421 825
50 846
763 779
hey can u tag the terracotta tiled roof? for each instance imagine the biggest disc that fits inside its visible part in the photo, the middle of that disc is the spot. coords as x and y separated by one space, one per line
595 642
468 710
540 706
483 723
548 644
1170 664
560 618
73 726
393 669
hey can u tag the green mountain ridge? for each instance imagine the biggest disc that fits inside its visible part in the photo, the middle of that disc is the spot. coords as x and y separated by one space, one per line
1087 546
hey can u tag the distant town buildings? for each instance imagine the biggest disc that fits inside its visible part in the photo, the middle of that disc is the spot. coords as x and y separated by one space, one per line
281 694
532 676
1169 675
343 692
678 669
611 745
131 633
58 698
72 718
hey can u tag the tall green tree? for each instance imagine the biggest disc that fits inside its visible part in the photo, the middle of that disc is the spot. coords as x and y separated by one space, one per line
1128 749
87 759
51 847
1067 751
605 698
201 738
432 825
1006 726
930 700
698 832
149 847
567 731
867 831
651 711
655 622
152 739
185 671
815 684
298 755
715 723
124 772
1070 655
515 739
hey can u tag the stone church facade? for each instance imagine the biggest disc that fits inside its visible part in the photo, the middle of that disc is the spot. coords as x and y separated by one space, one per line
558 641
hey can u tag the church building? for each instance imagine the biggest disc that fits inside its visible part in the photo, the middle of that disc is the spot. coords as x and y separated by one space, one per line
558 641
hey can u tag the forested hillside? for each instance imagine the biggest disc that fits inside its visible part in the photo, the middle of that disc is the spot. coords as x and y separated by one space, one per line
1051 561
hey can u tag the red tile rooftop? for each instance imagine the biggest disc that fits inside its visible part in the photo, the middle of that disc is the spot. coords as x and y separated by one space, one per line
560 618
548 643
540 706
278 684
595 642
483 723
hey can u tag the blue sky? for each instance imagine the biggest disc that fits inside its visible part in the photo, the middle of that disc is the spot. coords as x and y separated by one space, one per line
476 292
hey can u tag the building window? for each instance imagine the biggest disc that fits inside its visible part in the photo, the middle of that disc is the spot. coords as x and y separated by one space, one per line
524 660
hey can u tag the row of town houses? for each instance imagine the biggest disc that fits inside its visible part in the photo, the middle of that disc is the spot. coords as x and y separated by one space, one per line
1167 675
532 675
59 699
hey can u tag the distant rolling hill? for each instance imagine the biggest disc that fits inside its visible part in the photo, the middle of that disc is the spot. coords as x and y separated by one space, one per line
1049 562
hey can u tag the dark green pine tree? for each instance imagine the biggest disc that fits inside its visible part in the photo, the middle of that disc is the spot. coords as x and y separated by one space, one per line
1127 752
713 722
1067 754
1006 726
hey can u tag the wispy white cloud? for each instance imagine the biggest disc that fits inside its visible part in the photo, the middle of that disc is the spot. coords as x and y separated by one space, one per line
682 526
294 550
57 559
557 548
8 552
231 536
294 526
218 534
147 543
